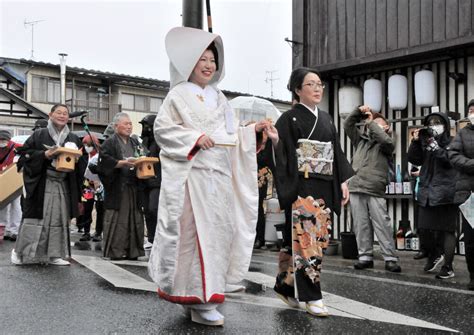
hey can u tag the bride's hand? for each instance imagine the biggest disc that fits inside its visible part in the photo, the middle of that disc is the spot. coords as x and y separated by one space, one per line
272 133
205 142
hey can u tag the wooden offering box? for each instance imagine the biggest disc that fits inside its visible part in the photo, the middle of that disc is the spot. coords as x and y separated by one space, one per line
11 183
144 166
66 159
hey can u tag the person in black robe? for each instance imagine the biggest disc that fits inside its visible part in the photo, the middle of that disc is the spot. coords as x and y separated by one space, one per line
123 220
303 129
150 188
51 197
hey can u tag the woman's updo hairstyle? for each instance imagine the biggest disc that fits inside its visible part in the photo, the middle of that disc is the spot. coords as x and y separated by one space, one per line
296 80
212 47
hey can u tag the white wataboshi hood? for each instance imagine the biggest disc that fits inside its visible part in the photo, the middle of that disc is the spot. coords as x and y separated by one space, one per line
184 46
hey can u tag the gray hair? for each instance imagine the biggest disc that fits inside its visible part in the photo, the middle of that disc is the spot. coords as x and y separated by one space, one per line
119 116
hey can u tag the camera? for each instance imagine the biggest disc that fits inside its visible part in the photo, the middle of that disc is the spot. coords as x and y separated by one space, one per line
426 132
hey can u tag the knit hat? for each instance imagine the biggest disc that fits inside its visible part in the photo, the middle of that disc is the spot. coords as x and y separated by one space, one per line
5 135
471 103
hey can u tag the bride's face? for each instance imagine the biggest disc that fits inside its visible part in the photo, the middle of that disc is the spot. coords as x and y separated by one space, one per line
204 69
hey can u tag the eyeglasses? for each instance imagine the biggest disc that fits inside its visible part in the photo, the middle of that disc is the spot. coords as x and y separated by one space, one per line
315 86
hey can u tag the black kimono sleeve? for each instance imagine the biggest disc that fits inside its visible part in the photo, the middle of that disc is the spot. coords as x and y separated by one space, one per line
285 165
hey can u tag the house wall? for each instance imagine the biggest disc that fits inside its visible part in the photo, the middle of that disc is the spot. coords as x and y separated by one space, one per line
338 33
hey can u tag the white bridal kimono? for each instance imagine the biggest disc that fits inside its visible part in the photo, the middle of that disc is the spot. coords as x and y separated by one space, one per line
209 198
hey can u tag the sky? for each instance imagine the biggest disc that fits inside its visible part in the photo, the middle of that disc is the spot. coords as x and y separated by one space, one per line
127 37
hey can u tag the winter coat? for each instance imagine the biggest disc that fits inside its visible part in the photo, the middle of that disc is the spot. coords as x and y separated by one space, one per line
370 161
461 154
437 174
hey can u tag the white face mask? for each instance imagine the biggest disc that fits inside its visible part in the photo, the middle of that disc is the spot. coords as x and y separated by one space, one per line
471 118
89 149
3 144
437 129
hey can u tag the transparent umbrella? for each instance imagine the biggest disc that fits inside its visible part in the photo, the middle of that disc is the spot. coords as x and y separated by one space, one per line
254 109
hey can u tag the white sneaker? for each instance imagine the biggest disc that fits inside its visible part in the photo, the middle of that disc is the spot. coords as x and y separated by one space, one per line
317 308
233 288
209 318
58 261
147 245
15 258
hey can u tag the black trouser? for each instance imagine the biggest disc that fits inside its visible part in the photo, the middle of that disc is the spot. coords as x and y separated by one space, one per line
152 197
262 194
468 245
85 220
439 242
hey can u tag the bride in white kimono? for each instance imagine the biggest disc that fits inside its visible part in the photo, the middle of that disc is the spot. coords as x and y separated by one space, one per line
208 204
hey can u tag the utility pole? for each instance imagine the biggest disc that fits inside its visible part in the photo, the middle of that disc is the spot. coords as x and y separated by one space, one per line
270 80
32 24
192 13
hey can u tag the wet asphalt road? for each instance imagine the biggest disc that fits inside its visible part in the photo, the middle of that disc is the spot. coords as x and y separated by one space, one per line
39 299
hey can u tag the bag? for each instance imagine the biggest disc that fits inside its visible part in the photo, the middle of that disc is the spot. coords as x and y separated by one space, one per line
467 209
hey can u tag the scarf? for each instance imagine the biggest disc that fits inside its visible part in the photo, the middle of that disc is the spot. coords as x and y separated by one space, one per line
58 136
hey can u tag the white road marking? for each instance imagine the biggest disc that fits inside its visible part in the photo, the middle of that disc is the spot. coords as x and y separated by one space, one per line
337 305
115 274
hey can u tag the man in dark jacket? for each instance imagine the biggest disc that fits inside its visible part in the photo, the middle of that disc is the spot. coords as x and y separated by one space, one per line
437 213
51 197
123 221
373 149
461 154
151 186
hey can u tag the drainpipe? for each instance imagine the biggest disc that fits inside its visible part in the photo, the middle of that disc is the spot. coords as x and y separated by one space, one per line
62 59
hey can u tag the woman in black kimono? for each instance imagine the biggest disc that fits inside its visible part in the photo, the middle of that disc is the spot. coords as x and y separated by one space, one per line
308 162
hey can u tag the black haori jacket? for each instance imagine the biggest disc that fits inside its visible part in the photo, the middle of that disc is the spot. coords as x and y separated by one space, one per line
34 165
112 178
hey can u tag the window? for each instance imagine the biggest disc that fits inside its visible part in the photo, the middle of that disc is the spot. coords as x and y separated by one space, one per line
128 101
54 91
39 89
140 103
155 105
49 90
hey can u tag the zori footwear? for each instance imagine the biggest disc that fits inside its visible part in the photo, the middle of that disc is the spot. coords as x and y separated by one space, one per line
58 261
292 302
15 258
233 288
317 308
208 318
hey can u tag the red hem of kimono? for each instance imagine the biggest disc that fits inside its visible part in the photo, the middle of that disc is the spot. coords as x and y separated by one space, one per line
195 149
191 300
